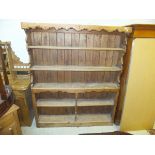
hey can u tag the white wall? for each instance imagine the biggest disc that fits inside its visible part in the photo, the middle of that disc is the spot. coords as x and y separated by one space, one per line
10 30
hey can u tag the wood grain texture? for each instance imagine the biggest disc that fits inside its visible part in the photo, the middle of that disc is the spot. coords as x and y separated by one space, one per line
22 92
9 122
74 87
76 68
143 31
68 120
75 55
75 65
76 48
71 102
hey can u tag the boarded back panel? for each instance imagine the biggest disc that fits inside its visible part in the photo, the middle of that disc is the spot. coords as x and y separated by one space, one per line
76 38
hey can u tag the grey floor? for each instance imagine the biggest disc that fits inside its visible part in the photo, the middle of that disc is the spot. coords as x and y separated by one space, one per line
33 130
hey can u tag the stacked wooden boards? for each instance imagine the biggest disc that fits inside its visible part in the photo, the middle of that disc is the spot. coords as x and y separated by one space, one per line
75 72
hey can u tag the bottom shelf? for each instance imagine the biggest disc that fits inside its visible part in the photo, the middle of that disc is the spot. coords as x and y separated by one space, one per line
69 120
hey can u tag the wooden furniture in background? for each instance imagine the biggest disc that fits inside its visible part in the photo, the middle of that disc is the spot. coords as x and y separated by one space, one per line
12 62
6 99
139 103
20 83
9 122
75 72
6 95
22 91
6 54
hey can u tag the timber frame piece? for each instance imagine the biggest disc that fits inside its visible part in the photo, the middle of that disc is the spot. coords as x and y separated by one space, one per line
139 31
123 81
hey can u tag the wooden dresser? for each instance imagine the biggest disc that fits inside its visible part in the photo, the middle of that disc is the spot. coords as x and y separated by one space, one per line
9 122
76 72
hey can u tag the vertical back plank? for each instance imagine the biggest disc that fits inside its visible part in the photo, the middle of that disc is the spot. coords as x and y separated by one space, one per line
45 56
82 55
61 59
53 55
109 56
68 56
104 42
117 57
96 56
61 55
75 55
37 53
89 56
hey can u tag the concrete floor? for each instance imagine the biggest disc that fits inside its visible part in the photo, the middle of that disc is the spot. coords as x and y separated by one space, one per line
33 130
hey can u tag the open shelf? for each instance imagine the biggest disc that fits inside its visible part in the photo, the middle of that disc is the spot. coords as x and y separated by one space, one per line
94 102
69 120
76 68
76 48
71 102
74 87
55 103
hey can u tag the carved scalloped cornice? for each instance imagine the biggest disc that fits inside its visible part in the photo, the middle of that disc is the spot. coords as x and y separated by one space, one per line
46 26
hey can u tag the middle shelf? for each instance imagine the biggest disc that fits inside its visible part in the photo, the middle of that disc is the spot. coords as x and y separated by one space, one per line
72 102
75 87
75 68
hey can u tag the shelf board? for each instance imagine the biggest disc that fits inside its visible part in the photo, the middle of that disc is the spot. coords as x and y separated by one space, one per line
71 102
94 102
93 118
69 120
74 87
76 68
55 102
76 48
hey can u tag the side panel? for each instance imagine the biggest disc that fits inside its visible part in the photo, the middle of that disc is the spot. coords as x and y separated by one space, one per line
139 105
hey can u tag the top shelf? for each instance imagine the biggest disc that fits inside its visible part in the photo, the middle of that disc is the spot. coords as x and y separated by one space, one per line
76 48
